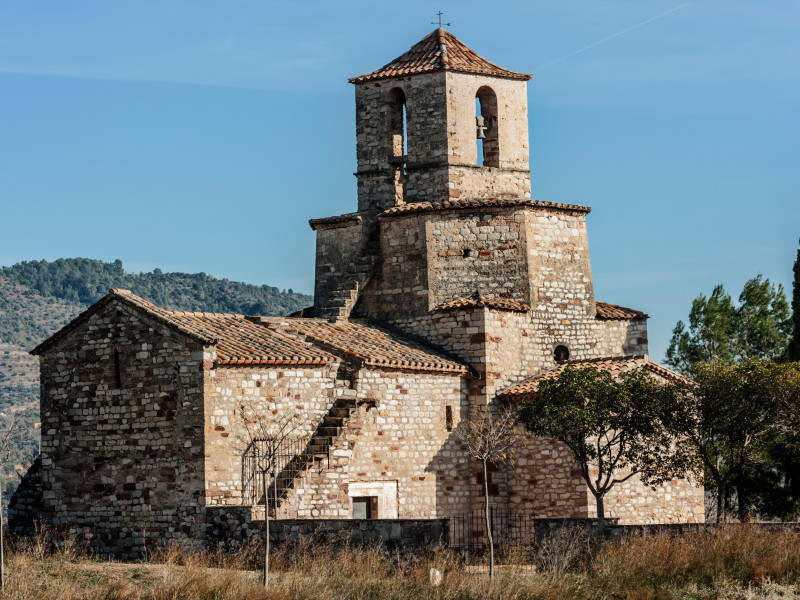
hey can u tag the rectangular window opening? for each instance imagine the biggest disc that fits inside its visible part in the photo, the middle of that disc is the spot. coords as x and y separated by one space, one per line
448 417
365 507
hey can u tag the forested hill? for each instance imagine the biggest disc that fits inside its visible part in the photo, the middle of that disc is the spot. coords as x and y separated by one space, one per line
85 281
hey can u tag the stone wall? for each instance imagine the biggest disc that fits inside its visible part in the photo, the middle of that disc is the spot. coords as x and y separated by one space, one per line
122 431
537 256
406 440
339 246
511 123
427 137
442 156
231 526
399 452
674 501
483 251
401 285
276 392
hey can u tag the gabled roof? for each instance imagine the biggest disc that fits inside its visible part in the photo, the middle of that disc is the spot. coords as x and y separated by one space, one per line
440 50
369 345
477 203
610 364
241 340
478 300
237 339
612 312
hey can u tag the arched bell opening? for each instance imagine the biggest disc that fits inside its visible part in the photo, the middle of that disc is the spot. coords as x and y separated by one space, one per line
486 127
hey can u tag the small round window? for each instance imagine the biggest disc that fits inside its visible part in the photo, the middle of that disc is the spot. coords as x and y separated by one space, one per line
561 354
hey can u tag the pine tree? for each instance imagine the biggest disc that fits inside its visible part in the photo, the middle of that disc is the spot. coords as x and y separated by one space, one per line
794 344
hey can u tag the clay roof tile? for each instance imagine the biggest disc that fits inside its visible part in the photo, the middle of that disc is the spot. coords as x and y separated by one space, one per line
610 364
609 312
369 344
440 50
238 340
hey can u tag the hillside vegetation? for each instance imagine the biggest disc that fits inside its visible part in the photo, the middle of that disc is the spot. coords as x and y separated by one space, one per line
27 317
37 298
85 281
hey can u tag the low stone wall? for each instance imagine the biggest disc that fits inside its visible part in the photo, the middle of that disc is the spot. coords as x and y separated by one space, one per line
234 524
544 528
391 533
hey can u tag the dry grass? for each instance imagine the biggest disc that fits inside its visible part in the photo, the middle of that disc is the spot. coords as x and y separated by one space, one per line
733 562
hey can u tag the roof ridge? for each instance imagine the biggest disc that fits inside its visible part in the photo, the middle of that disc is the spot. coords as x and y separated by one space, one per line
478 203
443 58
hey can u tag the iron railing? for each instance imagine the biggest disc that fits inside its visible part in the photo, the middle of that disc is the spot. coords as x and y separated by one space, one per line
283 463
509 528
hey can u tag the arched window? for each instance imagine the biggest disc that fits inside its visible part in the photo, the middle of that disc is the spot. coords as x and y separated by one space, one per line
561 354
486 124
398 129
398 125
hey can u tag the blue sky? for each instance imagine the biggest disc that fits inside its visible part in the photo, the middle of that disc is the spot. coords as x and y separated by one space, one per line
201 136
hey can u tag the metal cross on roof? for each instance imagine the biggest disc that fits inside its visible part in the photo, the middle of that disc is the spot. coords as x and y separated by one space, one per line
439 14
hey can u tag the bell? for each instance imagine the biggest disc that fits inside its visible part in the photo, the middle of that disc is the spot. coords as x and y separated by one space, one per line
481 128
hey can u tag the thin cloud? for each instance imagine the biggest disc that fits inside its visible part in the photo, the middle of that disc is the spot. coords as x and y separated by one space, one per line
610 37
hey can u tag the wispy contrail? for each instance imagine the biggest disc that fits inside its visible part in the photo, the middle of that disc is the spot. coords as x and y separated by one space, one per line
611 37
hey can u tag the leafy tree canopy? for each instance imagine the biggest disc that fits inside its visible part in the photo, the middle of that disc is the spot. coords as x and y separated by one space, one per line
757 328
610 425
728 416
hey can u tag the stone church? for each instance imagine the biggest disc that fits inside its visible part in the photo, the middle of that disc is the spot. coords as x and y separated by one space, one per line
447 292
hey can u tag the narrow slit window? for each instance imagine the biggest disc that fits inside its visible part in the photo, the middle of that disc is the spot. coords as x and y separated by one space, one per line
405 129
398 122
398 131
117 371
448 417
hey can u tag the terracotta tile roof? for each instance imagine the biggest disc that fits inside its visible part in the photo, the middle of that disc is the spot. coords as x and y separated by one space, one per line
472 203
369 345
613 365
439 51
609 312
237 339
478 300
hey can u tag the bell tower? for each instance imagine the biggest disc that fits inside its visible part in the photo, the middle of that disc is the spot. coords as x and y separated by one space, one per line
440 123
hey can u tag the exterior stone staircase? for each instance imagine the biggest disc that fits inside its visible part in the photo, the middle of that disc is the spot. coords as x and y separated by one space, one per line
343 298
328 450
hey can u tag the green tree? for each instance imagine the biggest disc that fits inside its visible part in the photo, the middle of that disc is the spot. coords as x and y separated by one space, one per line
610 425
727 417
794 346
758 327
